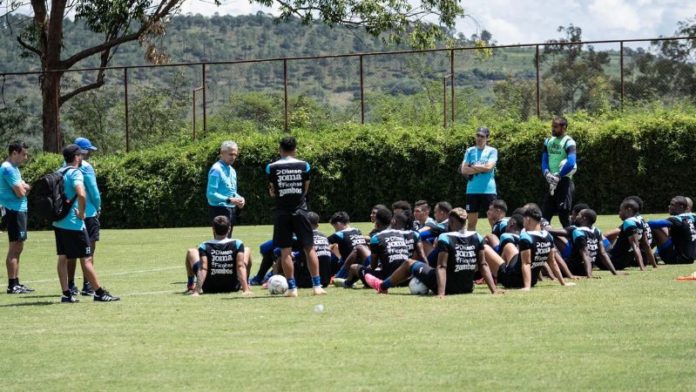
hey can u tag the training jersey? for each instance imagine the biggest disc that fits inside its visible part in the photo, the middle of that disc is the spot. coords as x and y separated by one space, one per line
683 234
303 277
646 229
499 227
93 203
347 239
631 227
71 180
540 243
429 222
558 149
222 264
412 238
9 177
508 238
481 183
462 259
288 176
390 248
584 238
222 184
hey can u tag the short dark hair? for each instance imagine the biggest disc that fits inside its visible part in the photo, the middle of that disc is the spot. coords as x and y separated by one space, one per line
500 204
531 210
16 146
638 201
383 216
579 207
518 220
288 144
221 225
458 214
400 220
560 120
590 214
681 201
631 204
444 206
340 217
422 203
313 218
401 205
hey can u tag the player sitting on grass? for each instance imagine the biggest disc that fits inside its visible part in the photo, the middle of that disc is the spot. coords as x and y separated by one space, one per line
646 241
587 245
421 211
219 265
676 236
429 234
626 249
321 246
536 250
496 218
346 239
508 247
461 253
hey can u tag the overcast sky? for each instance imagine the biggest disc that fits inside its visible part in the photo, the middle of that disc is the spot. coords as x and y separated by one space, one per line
528 21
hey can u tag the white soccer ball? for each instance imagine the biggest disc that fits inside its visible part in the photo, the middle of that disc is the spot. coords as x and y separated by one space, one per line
417 287
563 162
277 285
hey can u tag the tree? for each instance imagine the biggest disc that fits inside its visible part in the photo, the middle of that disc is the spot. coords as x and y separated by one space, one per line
121 21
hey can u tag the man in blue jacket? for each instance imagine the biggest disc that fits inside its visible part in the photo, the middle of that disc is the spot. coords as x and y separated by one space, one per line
221 192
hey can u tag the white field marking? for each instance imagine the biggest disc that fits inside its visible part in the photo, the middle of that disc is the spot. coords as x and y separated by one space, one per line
174 292
114 274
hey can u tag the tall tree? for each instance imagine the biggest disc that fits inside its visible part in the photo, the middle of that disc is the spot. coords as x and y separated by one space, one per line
121 21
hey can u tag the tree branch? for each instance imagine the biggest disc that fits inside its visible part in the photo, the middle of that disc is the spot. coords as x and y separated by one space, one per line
91 86
28 47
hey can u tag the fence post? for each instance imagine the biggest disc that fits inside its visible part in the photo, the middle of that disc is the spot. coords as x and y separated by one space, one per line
125 99
452 73
362 93
285 86
444 102
622 73
536 64
194 113
205 104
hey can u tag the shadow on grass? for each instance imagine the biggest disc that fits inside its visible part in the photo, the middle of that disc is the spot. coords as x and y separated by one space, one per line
38 296
39 303
251 298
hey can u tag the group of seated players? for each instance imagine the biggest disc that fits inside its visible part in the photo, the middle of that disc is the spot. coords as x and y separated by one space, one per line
407 243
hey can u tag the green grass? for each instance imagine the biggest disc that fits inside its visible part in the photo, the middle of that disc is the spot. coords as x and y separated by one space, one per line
636 332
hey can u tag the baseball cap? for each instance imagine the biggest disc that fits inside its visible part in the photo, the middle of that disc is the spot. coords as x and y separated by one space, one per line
85 144
71 150
483 131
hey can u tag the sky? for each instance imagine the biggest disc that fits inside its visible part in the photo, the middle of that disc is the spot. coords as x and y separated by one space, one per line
531 21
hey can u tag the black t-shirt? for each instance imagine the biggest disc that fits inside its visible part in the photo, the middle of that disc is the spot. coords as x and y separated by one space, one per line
499 227
462 259
584 238
302 276
347 240
631 227
222 264
540 243
683 235
288 176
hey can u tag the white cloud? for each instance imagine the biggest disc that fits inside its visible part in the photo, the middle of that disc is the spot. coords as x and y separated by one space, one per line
615 14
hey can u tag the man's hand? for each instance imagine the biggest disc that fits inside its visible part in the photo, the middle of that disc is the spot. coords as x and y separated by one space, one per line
80 214
26 186
247 293
551 179
237 201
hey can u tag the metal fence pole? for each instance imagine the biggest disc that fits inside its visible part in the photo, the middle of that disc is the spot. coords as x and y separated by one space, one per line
194 114
536 64
452 75
205 104
285 86
444 102
621 50
125 99
362 93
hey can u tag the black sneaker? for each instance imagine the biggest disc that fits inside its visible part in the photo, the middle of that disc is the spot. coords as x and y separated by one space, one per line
73 290
106 297
18 289
69 300
28 290
87 290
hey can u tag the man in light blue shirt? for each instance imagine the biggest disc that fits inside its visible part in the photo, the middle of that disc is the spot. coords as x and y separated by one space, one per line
221 191
72 240
92 212
13 197
479 168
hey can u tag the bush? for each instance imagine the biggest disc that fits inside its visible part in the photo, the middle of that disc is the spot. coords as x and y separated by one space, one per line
355 167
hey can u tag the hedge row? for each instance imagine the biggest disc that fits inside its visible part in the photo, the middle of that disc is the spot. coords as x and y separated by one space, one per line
355 167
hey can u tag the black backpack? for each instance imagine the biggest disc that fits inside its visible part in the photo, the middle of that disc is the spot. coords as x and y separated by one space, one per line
49 196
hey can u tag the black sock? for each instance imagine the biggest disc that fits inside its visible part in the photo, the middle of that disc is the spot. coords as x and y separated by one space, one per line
99 291
266 264
67 293
71 283
13 282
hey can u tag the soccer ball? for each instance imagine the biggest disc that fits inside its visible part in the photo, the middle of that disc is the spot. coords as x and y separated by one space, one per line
563 162
277 284
417 287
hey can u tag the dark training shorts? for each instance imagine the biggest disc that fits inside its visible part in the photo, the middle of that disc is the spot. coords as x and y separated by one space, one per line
285 223
425 274
479 202
93 227
73 244
16 224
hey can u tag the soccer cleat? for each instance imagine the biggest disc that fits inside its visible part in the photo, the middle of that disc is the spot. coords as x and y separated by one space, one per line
317 290
18 289
27 289
254 281
291 293
106 297
375 283
87 290
339 282
73 290
69 300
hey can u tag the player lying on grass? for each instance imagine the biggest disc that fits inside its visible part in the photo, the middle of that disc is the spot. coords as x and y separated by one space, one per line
676 236
219 265
461 253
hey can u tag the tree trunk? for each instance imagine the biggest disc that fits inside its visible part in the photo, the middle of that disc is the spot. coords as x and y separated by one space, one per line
50 91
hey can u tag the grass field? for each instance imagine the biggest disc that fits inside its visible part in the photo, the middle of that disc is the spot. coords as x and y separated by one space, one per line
635 332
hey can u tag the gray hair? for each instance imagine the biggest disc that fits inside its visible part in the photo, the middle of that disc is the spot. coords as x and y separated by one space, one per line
228 145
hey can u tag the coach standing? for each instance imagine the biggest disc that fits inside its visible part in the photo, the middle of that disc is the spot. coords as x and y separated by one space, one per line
558 163
222 195
479 168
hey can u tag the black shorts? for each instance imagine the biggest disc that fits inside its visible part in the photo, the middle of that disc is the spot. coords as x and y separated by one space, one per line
285 223
561 200
93 227
620 262
509 276
16 224
479 202
73 244
425 274
229 212
669 255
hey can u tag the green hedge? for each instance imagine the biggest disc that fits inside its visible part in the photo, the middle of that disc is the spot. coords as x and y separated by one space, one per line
648 154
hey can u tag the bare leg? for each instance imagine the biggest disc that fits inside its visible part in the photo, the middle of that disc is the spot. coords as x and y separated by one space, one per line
63 272
89 272
313 265
12 260
190 259
289 268
494 260
492 240
472 219
72 266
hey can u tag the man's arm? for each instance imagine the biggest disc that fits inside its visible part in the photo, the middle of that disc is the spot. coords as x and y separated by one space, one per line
526 269
604 257
441 273
635 248
93 189
202 274
81 200
586 261
554 267
242 272
645 244
419 252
